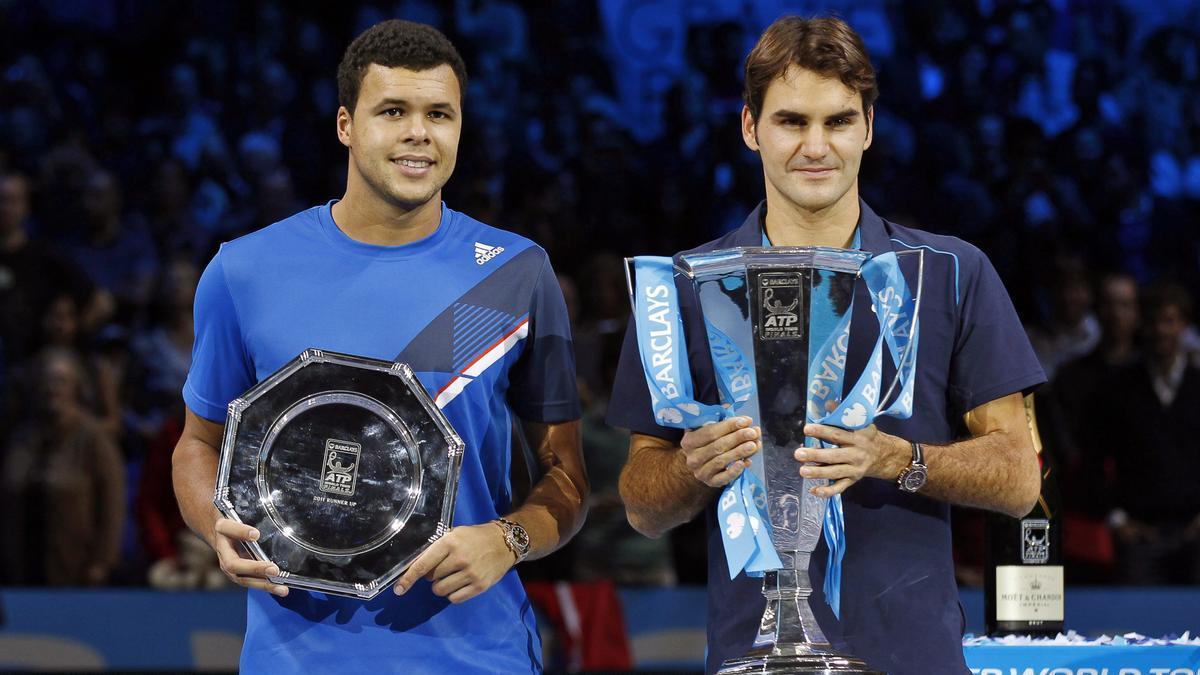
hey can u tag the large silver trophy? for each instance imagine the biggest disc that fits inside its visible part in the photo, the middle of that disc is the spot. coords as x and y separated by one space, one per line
345 466
786 310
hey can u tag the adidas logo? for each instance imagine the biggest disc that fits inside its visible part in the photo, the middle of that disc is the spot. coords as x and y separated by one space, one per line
484 253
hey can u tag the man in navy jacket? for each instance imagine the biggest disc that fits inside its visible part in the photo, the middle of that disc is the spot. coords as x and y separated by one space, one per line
808 114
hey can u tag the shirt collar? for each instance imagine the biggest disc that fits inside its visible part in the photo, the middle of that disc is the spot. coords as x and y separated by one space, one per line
1166 385
872 234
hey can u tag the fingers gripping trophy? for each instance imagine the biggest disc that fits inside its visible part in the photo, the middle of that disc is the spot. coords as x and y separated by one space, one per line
778 322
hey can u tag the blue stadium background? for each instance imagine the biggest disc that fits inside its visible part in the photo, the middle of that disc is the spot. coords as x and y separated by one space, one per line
1062 137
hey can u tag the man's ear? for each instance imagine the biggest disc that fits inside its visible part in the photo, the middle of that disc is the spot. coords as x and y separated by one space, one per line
870 127
749 129
345 124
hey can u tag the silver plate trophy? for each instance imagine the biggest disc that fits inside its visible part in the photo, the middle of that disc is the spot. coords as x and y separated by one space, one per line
779 307
345 466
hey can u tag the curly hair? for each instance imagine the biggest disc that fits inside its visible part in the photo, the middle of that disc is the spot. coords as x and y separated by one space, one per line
395 44
827 46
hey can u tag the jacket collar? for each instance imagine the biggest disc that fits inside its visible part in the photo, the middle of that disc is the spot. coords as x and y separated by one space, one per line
872 232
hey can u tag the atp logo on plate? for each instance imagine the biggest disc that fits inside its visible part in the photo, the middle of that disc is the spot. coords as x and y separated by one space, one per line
339 473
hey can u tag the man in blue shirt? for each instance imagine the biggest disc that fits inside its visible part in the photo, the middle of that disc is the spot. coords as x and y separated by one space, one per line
808 114
390 272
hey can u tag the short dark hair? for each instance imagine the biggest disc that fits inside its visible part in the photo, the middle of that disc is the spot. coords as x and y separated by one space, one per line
395 44
827 46
1163 294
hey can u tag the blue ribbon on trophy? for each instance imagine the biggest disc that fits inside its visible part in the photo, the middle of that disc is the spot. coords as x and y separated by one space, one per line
742 507
895 308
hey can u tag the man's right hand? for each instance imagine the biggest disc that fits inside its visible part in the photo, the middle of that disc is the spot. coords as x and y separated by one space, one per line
243 570
717 453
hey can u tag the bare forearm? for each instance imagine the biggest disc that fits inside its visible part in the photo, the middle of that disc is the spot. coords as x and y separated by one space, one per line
553 513
194 474
997 471
659 490
557 504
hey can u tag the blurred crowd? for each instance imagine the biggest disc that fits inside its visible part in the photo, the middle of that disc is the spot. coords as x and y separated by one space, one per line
1061 137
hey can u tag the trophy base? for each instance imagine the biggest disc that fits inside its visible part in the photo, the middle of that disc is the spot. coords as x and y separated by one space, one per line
807 663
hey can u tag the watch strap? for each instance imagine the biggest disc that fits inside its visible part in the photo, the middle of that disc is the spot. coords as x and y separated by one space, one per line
516 538
912 478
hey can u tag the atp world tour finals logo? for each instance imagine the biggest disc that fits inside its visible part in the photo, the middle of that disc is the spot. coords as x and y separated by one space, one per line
1035 541
339 473
779 300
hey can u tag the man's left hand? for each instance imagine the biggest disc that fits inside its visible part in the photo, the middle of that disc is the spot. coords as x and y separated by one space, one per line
465 562
864 452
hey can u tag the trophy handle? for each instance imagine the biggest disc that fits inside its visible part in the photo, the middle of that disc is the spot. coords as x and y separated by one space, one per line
919 253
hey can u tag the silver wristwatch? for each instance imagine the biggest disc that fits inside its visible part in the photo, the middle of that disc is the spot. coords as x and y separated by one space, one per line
913 477
515 537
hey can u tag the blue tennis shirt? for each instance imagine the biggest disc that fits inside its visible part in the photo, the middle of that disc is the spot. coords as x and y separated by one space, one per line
478 314
899 601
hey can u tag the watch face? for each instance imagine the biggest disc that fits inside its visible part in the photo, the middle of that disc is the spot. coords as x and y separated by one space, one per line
520 539
914 479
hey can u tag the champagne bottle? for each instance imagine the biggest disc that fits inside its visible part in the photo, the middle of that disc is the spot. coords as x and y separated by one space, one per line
1023 572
